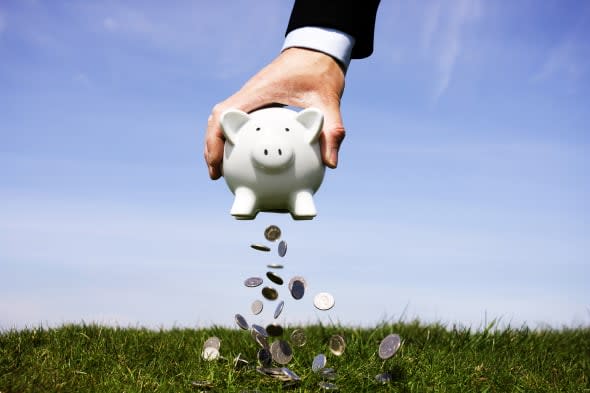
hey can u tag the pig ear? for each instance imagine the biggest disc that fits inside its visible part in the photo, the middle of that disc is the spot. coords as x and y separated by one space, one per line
231 122
312 119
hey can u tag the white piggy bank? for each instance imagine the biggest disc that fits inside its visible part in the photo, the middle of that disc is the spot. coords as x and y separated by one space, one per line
272 161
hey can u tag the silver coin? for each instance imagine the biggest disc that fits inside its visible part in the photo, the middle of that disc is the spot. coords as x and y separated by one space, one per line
274 278
337 344
270 293
272 233
323 301
281 352
295 279
282 248
259 338
253 282
298 338
290 374
260 330
210 353
389 346
328 385
275 266
297 290
319 362
328 373
256 307
241 322
279 309
260 247
264 357
384 378
274 330
212 342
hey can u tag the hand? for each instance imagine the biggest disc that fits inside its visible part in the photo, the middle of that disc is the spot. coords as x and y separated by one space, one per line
297 77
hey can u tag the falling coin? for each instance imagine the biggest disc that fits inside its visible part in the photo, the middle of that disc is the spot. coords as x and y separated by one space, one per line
384 378
319 362
279 309
210 353
294 279
275 266
281 352
259 338
253 282
297 290
282 248
212 342
241 322
272 233
323 301
260 247
256 307
274 330
337 345
298 338
260 330
274 278
270 293
389 346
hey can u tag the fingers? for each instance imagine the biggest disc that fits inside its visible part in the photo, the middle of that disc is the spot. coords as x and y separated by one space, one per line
214 142
332 135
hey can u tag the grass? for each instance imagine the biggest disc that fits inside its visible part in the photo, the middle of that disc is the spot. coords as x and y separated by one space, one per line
433 358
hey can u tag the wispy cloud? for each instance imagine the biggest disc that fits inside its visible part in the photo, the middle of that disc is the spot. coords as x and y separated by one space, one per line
444 24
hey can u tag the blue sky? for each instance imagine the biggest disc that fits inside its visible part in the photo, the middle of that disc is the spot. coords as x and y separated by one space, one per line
461 194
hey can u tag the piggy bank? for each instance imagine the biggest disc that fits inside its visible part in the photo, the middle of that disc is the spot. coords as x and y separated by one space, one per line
272 161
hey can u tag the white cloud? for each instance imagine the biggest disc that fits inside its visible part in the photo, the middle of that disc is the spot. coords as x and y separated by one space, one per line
443 26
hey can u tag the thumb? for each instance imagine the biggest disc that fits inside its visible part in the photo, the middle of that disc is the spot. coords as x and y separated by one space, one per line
333 134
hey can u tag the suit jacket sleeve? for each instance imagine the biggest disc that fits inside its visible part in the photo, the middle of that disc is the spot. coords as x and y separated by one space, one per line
354 17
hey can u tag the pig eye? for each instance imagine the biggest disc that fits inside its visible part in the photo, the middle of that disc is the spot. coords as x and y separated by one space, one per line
257 128
286 129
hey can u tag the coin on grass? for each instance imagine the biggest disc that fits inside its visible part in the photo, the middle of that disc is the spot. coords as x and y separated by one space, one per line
212 342
259 338
298 338
260 247
281 352
203 384
274 266
323 301
256 307
274 278
272 233
279 309
264 357
319 362
270 293
328 385
282 248
292 376
241 322
337 344
384 378
328 373
274 330
389 346
240 362
253 282
210 353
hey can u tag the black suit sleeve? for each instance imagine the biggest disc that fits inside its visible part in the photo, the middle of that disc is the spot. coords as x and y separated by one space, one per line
354 17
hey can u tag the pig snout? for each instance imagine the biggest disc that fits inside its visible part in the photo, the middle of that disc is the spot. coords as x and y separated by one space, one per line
272 155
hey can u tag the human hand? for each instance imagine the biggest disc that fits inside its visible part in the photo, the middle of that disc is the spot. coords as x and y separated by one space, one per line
297 77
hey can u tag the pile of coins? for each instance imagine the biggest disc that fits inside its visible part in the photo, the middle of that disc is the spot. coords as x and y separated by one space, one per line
272 347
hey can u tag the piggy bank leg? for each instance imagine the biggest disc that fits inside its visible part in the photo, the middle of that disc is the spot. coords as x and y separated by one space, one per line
244 207
302 206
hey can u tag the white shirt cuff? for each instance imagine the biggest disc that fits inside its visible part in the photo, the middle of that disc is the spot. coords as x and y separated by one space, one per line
329 41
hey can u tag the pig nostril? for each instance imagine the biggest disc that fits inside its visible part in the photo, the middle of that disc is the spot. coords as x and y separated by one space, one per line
265 152
280 152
